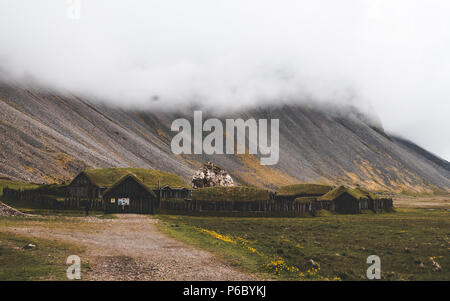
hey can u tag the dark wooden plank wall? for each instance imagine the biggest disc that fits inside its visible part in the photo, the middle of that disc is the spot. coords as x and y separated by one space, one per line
82 187
141 200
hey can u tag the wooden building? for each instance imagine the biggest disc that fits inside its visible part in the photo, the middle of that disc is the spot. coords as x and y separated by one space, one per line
166 192
343 200
84 187
140 190
129 194
351 201
91 185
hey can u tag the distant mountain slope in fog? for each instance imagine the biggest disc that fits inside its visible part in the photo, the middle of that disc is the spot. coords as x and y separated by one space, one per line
46 137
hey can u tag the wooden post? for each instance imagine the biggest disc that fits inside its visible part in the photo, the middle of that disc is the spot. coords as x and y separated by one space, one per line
159 190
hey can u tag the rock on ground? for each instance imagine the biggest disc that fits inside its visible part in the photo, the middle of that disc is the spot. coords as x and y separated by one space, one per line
5 210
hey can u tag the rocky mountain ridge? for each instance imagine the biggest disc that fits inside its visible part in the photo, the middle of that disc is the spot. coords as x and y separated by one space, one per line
47 136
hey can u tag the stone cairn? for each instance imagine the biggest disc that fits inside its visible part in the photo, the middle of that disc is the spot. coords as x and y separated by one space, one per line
211 175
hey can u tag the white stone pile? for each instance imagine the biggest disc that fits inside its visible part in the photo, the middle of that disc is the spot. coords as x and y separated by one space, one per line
211 175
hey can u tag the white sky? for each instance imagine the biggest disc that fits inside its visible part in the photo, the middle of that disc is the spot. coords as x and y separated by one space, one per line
393 54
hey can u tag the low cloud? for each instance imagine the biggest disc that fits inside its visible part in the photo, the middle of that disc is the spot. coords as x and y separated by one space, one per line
392 56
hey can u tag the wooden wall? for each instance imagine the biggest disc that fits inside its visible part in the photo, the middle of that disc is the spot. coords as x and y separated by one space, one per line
141 200
82 187
273 207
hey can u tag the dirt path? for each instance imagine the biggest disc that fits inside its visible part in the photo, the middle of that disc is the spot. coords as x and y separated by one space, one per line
131 247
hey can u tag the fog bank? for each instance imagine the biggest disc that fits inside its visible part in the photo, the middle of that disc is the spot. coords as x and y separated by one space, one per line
392 56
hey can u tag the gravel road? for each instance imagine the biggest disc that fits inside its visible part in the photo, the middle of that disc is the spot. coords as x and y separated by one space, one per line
130 247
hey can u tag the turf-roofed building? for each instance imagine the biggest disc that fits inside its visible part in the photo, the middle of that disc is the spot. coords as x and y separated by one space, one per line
339 199
128 189
356 200
291 192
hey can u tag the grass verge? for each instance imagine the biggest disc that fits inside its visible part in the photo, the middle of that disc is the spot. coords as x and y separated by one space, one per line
47 261
409 243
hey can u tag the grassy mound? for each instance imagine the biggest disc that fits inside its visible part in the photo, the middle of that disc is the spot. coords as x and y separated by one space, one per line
106 177
235 193
304 189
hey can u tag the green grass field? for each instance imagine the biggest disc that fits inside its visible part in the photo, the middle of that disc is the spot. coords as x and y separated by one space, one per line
282 248
45 262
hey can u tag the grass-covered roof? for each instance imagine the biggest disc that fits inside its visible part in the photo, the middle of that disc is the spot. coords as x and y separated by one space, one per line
107 177
304 189
129 175
234 193
305 200
366 193
357 193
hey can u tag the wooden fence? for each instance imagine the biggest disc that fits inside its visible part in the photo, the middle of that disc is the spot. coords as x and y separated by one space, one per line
271 207
280 207
37 199
251 208
77 203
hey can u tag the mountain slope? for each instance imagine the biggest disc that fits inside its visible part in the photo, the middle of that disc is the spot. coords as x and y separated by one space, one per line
47 137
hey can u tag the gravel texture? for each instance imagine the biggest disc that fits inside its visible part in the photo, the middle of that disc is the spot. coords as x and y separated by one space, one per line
5 210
